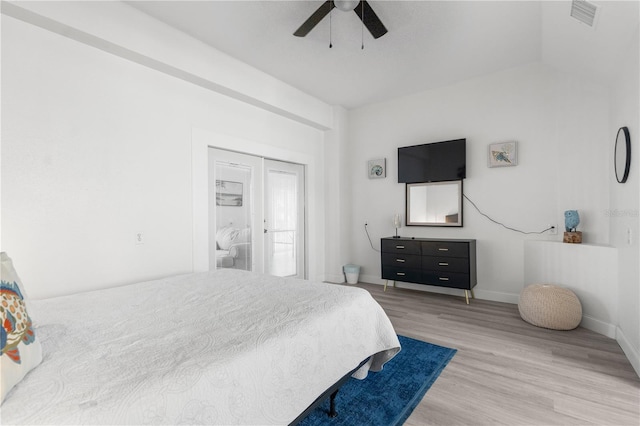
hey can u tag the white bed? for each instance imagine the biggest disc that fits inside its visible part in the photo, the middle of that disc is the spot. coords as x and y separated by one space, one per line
226 347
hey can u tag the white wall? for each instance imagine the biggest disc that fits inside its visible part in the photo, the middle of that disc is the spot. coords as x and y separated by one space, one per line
337 197
561 125
97 148
625 203
118 28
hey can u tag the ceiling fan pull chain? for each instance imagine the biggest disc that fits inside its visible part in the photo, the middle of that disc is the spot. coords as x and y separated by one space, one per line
362 26
330 39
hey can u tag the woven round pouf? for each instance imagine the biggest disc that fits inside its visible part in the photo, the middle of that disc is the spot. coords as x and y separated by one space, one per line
550 306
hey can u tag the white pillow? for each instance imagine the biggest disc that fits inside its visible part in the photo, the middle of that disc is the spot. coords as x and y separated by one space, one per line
21 351
226 236
244 236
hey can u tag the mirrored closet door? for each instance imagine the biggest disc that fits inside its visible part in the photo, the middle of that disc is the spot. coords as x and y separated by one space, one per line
284 219
256 214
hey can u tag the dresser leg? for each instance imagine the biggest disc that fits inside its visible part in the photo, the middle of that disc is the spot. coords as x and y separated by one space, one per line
385 285
466 296
473 296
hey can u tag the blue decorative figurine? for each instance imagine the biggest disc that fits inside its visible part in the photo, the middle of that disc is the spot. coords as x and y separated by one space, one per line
571 220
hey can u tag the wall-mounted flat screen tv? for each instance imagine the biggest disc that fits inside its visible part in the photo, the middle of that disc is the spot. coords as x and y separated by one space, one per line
432 162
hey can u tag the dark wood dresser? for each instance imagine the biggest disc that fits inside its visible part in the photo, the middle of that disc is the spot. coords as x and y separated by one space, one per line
438 262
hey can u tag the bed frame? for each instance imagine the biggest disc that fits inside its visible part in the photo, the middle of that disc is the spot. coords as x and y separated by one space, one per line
330 393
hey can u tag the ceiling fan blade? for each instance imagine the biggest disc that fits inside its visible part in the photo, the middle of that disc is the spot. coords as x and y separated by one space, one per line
370 19
314 19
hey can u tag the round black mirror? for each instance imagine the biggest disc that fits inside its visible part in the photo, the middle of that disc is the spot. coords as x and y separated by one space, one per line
622 155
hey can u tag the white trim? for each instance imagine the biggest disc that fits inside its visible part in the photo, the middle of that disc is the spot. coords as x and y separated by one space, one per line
590 323
632 353
200 203
335 278
479 294
496 296
598 326
371 279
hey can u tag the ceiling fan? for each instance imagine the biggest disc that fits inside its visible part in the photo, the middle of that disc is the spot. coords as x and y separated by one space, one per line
361 8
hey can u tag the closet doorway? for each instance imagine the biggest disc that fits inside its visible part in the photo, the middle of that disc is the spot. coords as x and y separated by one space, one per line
256 214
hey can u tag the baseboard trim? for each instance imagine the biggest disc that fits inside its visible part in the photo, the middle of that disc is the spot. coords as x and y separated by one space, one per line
590 323
632 353
497 296
334 278
371 279
494 296
599 326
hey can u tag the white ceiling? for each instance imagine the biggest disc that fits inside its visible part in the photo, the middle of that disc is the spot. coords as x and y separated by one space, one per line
429 43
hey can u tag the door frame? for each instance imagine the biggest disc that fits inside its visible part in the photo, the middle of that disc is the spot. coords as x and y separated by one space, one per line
201 140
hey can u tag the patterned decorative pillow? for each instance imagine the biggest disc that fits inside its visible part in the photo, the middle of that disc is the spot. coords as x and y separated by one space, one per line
21 352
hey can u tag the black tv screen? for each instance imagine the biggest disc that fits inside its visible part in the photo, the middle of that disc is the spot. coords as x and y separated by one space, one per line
432 162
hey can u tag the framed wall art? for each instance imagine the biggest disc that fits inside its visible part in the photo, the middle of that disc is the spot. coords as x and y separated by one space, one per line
228 193
503 154
377 168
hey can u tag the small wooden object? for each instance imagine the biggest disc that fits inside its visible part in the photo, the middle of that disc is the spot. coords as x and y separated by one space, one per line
573 237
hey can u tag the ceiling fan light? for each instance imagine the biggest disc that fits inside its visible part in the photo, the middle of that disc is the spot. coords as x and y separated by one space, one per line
346 5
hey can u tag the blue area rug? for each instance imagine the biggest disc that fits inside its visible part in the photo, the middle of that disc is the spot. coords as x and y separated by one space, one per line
388 397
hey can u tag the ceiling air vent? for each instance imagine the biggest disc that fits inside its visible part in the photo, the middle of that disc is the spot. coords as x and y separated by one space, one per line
584 12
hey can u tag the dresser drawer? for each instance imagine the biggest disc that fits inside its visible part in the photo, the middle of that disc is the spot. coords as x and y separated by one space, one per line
402 260
445 248
446 279
400 246
401 274
446 264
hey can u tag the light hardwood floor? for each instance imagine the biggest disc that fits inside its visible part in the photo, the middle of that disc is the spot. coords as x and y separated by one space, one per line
508 372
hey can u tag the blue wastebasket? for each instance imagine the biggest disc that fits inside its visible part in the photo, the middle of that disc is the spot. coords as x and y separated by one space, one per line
351 272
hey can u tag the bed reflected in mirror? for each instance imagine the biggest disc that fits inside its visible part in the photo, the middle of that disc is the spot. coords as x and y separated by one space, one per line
434 204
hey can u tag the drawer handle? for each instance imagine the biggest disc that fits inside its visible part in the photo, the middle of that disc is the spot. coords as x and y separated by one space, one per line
443 249
443 263
400 260
400 247
401 274
443 278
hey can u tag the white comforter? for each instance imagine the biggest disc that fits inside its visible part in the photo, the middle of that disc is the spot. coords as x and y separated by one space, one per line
226 347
